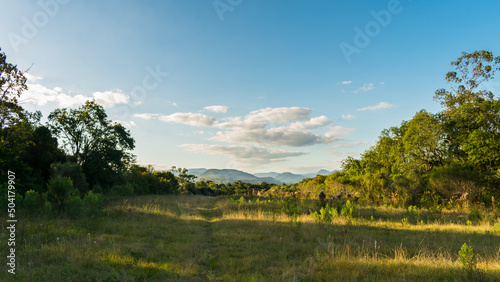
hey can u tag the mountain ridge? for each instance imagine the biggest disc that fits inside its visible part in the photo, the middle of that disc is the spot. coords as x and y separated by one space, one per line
234 175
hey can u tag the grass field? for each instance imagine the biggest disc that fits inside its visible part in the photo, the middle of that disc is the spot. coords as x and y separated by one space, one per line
159 238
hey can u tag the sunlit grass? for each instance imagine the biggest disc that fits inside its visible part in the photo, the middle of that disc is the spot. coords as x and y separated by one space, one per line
202 238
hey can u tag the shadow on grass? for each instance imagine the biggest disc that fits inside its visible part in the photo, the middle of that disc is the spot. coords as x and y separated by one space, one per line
183 238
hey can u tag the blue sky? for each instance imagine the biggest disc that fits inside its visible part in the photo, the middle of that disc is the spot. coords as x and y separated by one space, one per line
252 85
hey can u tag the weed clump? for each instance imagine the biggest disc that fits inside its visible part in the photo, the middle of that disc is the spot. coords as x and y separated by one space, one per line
326 214
468 259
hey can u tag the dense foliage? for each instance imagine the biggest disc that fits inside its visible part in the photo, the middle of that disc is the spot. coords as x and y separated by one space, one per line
447 159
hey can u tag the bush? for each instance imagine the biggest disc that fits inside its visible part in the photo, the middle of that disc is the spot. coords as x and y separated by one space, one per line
123 190
32 202
97 189
291 207
348 209
75 207
93 204
474 214
59 190
326 214
468 259
47 209
73 171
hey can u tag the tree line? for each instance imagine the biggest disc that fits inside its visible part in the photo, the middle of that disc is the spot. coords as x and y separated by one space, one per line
432 160
435 160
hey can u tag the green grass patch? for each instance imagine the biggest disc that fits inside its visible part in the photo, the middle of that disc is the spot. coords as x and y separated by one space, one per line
197 238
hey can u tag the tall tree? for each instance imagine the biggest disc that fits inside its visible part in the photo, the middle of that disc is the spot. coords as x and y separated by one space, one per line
99 145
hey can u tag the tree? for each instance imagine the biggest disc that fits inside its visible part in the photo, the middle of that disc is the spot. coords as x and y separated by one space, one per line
471 117
466 108
12 84
423 141
94 142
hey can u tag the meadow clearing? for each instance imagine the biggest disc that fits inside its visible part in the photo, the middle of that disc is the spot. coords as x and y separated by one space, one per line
198 238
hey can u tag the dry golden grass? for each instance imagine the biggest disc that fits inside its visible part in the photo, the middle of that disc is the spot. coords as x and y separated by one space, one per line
196 238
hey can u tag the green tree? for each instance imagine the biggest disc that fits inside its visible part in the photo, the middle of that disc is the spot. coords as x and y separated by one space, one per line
99 145
12 84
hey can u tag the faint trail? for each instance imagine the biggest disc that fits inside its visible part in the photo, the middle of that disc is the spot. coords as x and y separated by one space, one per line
209 257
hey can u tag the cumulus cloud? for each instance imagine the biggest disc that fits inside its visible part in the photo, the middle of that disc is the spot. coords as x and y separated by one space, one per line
32 78
127 124
244 154
193 119
291 127
365 88
312 123
40 95
379 106
146 116
217 109
279 115
110 98
348 116
278 136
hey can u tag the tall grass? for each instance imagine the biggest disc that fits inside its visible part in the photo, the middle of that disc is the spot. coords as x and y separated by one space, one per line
198 238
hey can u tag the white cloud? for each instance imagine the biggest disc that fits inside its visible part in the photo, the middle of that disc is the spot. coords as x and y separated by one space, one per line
279 115
146 116
193 119
244 154
365 88
312 123
109 98
127 124
348 116
290 127
32 78
379 106
40 95
217 109
345 82
277 136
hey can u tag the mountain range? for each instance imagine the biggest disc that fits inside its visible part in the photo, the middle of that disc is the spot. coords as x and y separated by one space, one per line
233 175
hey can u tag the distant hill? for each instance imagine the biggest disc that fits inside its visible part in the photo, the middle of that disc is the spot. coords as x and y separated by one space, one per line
197 171
233 175
289 178
266 174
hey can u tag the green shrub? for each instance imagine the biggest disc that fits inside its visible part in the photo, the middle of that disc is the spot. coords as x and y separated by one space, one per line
123 190
291 207
47 209
97 189
75 207
431 201
32 202
326 214
468 259
348 209
73 171
474 214
93 204
59 190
